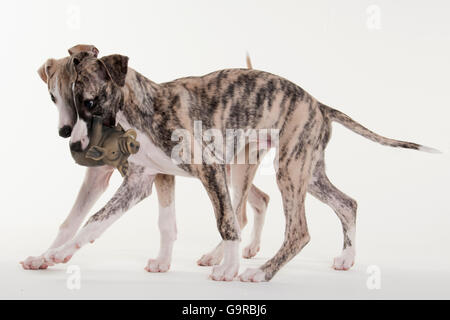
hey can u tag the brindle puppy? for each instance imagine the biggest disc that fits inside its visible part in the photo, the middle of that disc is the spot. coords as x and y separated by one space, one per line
233 99
58 75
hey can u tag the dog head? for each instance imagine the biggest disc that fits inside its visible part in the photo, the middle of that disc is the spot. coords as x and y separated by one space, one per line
97 91
58 74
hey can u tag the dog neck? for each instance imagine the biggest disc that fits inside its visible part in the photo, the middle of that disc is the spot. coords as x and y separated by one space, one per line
139 96
142 101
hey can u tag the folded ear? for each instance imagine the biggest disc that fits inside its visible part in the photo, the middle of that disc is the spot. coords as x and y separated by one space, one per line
45 71
78 57
84 48
116 67
96 153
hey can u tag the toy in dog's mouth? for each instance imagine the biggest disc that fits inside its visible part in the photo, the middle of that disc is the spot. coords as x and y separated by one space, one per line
108 146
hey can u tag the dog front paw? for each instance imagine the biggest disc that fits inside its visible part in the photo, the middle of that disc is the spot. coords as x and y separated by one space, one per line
35 263
61 254
157 265
253 275
345 261
225 272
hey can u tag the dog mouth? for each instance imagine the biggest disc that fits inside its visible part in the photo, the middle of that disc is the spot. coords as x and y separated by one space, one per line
79 139
78 149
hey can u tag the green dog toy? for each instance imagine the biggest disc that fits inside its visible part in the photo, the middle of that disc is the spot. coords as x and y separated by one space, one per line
108 146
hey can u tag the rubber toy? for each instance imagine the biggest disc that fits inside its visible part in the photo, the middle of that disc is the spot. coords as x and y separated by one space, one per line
108 146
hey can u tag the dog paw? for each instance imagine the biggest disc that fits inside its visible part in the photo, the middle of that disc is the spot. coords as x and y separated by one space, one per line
225 272
60 255
250 251
345 261
35 263
253 275
210 259
156 265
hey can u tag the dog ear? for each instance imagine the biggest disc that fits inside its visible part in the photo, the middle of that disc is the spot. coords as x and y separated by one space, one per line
116 67
45 70
96 153
78 57
84 48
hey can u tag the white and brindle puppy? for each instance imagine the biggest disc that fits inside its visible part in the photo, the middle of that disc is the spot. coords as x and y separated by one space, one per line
227 99
59 74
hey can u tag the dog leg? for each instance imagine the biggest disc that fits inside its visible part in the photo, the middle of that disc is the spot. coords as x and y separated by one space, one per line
292 179
241 183
345 208
95 183
215 256
135 187
213 177
165 189
259 201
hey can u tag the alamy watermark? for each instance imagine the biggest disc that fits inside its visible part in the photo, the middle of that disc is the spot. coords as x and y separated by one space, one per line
373 21
74 280
228 146
374 280
73 17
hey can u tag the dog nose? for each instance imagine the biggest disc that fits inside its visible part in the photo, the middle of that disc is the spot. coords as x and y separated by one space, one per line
65 131
76 146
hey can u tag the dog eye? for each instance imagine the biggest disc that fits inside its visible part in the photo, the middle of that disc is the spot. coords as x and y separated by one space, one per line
89 104
53 98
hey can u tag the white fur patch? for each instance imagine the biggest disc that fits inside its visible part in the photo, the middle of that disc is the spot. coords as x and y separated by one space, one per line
80 133
65 114
168 230
229 268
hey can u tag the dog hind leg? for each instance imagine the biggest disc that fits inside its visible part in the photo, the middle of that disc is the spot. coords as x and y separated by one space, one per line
292 179
259 201
345 208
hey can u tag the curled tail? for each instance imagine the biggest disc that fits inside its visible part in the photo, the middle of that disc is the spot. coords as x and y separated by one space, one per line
351 124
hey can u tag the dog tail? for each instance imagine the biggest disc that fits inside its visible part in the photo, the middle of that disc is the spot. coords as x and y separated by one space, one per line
248 61
354 126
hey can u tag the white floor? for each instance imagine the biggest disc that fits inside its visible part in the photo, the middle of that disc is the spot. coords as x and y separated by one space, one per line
120 275
112 268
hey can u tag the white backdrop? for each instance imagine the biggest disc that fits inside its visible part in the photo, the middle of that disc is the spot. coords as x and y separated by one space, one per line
384 63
